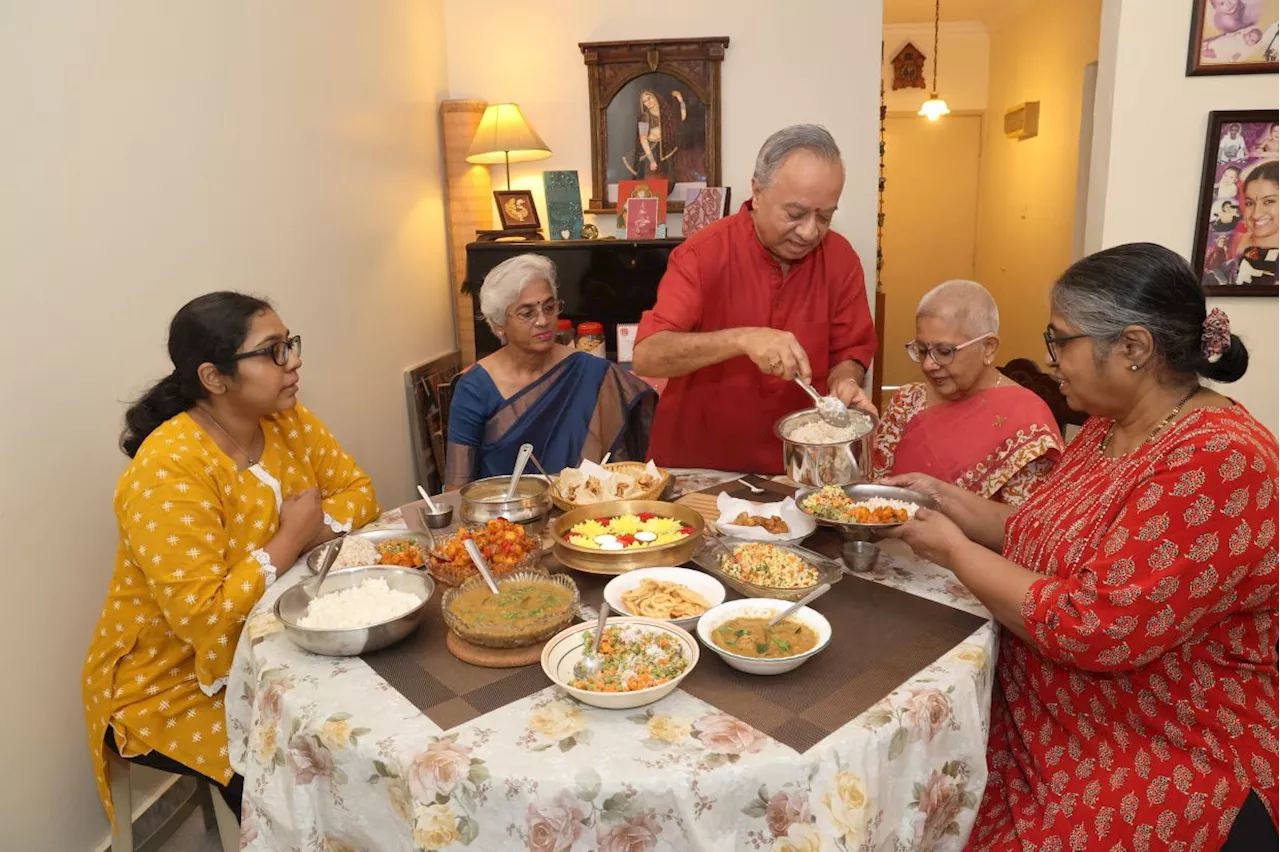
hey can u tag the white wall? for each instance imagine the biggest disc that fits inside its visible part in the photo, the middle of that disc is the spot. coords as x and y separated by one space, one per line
814 63
1150 127
963 48
153 151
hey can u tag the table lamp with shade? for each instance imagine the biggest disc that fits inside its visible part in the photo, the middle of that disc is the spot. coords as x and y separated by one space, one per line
504 136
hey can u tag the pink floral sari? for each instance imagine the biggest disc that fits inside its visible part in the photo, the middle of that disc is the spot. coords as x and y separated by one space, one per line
999 443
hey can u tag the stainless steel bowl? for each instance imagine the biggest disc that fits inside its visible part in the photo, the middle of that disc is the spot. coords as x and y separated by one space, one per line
292 605
482 501
860 556
839 463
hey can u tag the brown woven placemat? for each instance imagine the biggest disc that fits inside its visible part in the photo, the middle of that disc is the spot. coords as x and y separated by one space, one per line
881 637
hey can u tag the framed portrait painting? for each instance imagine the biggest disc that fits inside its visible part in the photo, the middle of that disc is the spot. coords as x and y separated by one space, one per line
655 114
1237 240
1233 37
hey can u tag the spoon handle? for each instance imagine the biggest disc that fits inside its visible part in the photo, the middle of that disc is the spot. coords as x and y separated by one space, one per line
795 607
330 557
550 480
427 498
808 388
522 459
600 622
483 567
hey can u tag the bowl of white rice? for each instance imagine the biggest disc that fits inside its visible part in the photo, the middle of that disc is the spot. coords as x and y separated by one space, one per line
815 453
359 609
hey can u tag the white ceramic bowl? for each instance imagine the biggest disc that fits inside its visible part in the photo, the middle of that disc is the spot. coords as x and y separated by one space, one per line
762 608
565 648
695 581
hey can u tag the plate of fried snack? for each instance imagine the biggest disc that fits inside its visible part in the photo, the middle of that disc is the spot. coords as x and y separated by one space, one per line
779 522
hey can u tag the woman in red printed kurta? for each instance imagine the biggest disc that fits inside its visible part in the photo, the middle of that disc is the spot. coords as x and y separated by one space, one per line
1137 589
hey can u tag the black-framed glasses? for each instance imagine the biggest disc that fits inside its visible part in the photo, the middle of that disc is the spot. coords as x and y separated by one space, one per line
941 353
1052 341
279 351
528 314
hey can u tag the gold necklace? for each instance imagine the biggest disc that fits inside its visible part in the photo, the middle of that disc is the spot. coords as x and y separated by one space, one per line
249 457
1106 440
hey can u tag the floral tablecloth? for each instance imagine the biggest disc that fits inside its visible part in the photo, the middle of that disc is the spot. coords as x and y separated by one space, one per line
335 760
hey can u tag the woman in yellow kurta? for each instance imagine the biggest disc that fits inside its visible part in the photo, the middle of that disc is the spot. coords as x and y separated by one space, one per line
231 480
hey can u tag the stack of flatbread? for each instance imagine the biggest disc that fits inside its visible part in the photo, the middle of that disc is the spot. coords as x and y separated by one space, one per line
590 483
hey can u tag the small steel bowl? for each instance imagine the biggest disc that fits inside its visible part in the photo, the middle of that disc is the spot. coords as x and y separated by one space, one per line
860 556
347 642
482 501
437 520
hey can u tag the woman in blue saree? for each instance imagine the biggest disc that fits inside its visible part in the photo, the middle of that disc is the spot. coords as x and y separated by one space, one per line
570 405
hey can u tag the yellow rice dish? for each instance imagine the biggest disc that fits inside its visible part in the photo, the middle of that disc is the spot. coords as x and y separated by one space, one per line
627 532
769 566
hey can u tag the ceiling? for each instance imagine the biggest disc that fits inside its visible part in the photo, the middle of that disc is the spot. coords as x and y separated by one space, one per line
989 12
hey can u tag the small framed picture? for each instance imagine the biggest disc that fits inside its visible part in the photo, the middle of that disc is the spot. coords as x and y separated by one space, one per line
1233 37
1237 236
516 210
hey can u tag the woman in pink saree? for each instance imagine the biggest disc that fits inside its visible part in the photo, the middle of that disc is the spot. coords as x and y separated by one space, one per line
966 422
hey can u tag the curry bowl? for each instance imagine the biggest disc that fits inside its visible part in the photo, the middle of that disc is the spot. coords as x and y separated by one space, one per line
530 607
765 608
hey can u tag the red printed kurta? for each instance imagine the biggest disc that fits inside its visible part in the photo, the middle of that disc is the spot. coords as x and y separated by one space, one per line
1144 710
722 416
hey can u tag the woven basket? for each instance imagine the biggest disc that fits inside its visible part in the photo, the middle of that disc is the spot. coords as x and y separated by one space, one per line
632 469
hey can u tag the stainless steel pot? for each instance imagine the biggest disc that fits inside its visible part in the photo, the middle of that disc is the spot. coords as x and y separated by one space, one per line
482 501
837 463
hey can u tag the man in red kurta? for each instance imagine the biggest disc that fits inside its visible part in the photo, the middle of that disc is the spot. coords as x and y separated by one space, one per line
750 303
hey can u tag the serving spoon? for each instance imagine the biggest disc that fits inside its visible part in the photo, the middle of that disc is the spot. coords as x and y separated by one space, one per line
522 459
589 666
830 409
804 601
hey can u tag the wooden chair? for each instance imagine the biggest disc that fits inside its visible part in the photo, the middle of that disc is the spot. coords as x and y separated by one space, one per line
1025 372
122 798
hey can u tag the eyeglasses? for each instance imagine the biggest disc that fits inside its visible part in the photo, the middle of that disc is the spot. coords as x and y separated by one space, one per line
1052 341
279 351
528 314
941 353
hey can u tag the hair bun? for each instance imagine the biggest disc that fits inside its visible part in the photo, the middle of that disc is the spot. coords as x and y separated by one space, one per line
1230 365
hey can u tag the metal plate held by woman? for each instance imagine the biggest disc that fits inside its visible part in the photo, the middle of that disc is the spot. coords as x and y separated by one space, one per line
867 491
374 537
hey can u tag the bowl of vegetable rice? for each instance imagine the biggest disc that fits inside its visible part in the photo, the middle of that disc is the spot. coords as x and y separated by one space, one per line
644 659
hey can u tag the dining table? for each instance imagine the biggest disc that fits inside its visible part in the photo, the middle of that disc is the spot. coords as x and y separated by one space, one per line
877 743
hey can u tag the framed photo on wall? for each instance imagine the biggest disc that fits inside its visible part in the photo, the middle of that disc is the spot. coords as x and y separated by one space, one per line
655 114
1237 239
1233 37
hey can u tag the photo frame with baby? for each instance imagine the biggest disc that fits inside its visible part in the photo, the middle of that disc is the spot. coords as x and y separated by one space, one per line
1236 249
1233 37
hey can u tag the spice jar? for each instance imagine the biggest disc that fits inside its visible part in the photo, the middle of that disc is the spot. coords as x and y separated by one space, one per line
564 332
591 338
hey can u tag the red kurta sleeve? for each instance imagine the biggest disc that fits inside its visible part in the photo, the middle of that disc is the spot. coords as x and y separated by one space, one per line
853 333
1192 545
679 305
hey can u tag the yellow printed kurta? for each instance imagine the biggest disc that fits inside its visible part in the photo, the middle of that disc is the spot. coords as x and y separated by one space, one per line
189 568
